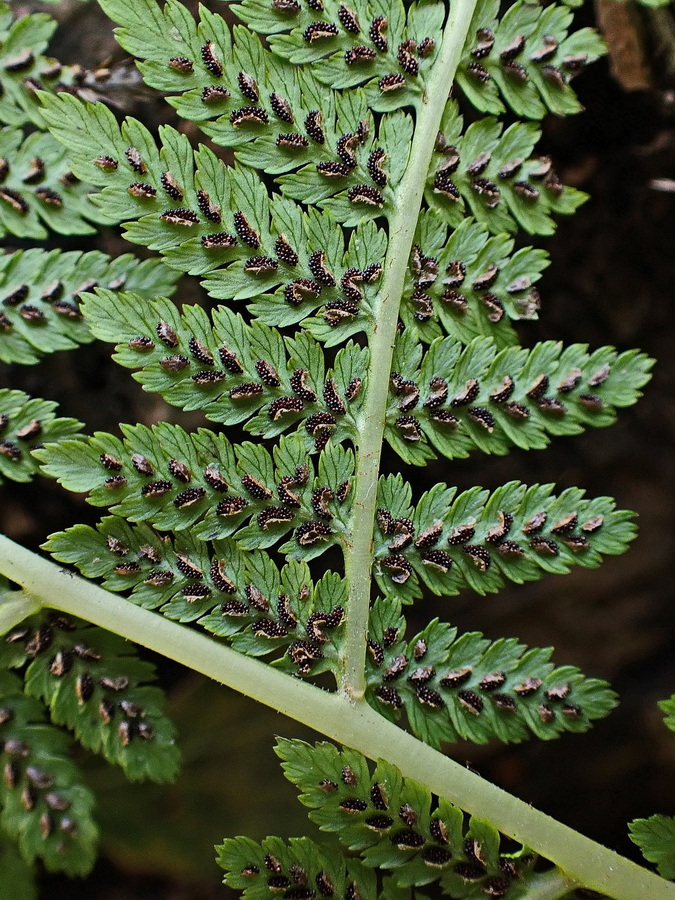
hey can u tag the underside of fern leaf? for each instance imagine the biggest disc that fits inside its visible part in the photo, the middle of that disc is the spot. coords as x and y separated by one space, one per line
352 222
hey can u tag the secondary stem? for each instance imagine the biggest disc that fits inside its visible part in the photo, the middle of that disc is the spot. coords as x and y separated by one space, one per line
582 861
402 224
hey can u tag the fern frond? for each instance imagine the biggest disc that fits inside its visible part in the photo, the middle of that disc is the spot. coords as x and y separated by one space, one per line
235 372
25 423
479 539
394 824
24 68
451 400
221 223
46 808
346 47
180 576
94 683
525 60
655 837
259 102
41 296
261 870
454 686
238 595
487 171
468 284
38 190
179 480
138 189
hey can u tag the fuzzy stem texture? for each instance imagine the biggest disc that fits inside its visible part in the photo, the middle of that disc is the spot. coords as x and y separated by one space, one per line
402 225
579 859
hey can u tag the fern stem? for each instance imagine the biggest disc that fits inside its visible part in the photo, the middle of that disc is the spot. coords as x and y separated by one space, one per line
581 860
402 224
15 606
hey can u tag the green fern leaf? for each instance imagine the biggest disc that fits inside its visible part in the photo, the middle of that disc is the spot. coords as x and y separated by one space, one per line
41 296
341 127
454 686
468 284
24 423
476 539
233 371
453 399
45 806
177 480
24 69
525 60
238 595
655 837
244 245
392 823
259 869
487 172
38 190
94 683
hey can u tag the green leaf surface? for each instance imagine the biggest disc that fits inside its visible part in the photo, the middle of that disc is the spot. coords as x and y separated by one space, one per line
454 400
467 284
479 539
41 291
453 686
177 480
24 68
655 837
525 60
46 808
391 820
38 192
489 173
25 423
95 684
235 372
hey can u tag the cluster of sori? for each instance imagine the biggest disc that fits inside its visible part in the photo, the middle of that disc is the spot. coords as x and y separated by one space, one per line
403 532
268 388
517 402
93 688
507 58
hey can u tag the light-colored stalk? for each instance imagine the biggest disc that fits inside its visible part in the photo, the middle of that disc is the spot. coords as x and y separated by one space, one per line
402 224
582 861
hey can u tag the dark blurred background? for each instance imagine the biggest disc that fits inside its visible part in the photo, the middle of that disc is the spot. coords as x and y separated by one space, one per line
610 282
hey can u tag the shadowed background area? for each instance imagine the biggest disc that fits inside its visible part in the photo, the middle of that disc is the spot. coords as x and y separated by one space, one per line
610 282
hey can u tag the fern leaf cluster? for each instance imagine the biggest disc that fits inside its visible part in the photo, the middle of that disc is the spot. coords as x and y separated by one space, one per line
451 399
24 69
234 371
364 282
454 686
72 668
41 296
45 803
389 820
478 539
